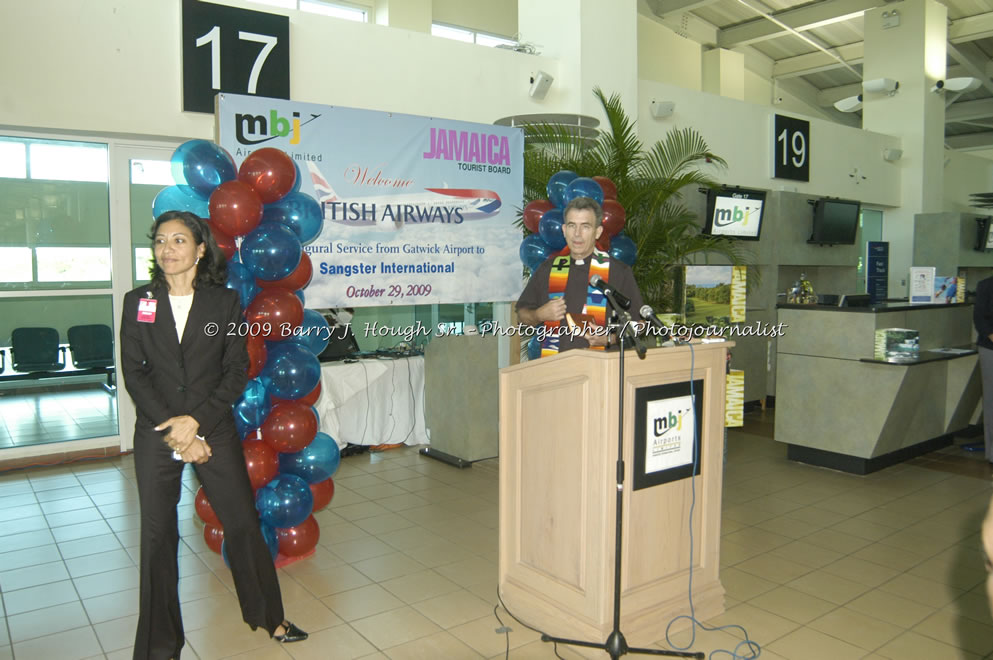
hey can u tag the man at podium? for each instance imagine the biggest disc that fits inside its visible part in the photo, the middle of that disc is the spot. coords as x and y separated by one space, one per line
560 295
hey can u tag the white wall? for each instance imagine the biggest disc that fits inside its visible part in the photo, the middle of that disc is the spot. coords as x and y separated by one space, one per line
966 173
666 57
741 133
114 66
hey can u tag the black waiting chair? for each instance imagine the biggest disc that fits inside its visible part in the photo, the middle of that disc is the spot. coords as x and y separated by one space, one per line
91 346
36 349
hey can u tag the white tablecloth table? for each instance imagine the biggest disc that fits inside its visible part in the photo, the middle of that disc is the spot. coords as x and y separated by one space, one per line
373 401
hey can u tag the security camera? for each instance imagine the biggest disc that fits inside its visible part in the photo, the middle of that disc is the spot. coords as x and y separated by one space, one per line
881 85
850 104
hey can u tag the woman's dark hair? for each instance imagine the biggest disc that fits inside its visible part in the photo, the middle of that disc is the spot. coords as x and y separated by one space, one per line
212 270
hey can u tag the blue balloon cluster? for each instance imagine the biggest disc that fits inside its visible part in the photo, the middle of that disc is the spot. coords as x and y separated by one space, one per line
299 212
199 166
272 251
534 251
286 501
252 407
315 332
550 229
292 370
314 463
175 198
623 249
242 280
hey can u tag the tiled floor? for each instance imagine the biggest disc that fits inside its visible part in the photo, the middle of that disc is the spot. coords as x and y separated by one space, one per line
816 564
56 413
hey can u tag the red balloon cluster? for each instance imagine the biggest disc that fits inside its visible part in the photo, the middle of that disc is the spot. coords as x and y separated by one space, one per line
269 172
262 462
613 213
309 399
257 352
289 427
213 536
298 279
204 510
273 307
299 540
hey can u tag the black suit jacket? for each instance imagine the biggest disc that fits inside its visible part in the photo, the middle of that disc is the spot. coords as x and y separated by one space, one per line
202 377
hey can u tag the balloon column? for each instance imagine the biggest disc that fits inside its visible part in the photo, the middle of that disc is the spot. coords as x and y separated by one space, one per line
261 221
543 218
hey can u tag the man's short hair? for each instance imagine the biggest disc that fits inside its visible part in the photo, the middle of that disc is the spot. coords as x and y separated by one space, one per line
584 204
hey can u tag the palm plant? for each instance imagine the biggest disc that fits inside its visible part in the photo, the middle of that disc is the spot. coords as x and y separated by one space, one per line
649 187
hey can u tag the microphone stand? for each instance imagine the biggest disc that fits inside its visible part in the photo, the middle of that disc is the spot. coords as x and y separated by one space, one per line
615 644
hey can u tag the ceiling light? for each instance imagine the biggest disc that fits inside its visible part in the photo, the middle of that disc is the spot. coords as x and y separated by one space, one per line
961 85
850 104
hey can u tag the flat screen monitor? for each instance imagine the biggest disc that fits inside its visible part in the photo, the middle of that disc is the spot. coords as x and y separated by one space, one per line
735 213
836 221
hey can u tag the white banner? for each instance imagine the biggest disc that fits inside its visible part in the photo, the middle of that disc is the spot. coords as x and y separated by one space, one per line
417 210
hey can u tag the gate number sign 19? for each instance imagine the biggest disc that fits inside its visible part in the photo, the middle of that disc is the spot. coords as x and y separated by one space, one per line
791 149
227 49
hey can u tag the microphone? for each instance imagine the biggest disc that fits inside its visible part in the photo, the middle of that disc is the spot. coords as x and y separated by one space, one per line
649 315
622 301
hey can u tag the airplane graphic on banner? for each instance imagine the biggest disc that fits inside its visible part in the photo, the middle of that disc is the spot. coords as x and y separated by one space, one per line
431 206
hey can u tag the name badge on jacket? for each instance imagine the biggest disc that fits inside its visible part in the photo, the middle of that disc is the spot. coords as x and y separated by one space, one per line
146 310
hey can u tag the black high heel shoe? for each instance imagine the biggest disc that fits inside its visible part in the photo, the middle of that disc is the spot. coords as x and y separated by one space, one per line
291 634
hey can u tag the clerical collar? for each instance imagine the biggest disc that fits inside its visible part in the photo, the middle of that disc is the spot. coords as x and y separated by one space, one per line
579 262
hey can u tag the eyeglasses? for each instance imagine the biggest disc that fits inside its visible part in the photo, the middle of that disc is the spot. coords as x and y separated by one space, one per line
576 227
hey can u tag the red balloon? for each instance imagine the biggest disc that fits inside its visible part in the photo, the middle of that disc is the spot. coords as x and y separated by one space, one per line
613 217
262 462
273 307
323 491
533 212
225 242
256 354
603 243
270 173
298 279
213 537
235 208
289 427
608 187
299 540
204 510
308 399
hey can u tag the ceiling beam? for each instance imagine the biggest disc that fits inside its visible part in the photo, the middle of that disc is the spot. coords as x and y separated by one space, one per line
663 7
803 18
802 65
971 28
969 110
970 141
973 60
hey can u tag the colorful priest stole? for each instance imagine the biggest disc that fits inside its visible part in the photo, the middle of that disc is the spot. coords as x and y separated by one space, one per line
596 301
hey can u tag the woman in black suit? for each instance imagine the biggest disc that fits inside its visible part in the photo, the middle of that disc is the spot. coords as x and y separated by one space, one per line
184 368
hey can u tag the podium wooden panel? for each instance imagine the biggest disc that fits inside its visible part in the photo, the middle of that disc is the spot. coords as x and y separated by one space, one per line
558 449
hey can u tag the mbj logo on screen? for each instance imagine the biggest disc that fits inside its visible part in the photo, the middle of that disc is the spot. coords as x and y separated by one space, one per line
734 210
263 128
666 423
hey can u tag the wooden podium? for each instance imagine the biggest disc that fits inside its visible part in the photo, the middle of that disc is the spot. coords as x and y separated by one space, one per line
558 452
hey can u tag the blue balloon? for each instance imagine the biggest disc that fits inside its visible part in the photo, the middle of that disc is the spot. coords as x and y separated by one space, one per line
550 229
298 211
290 371
557 185
252 407
272 251
268 535
286 501
317 416
175 198
623 249
534 349
242 280
316 462
314 332
299 294
200 166
533 251
584 186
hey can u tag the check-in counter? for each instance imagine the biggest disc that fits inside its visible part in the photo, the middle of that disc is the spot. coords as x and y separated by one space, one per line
838 407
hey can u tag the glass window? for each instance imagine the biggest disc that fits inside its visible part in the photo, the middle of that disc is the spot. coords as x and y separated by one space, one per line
148 178
448 32
155 172
67 161
142 265
73 264
13 159
54 214
337 11
285 4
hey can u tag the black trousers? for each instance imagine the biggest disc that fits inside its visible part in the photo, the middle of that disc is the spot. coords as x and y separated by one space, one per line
225 482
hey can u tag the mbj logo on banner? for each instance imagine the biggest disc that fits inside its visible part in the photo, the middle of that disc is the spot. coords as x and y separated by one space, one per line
417 210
